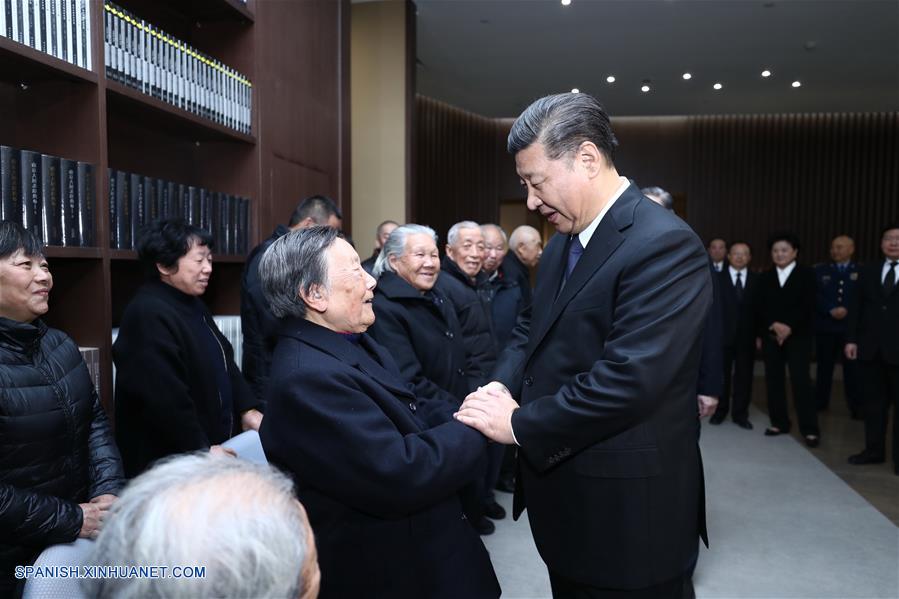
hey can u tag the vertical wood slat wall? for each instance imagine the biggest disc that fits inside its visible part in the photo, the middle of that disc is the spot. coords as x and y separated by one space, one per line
818 175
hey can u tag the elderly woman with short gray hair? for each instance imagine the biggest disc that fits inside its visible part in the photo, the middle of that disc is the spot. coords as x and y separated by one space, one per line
379 485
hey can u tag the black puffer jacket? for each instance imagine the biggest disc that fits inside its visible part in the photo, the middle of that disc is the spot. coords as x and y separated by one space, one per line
56 448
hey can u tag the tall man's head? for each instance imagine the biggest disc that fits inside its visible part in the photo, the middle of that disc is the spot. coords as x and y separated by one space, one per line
495 247
563 147
740 255
717 249
889 241
527 245
383 232
465 246
315 210
237 520
659 196
842 247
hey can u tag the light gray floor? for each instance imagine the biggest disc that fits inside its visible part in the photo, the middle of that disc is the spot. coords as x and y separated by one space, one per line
781 525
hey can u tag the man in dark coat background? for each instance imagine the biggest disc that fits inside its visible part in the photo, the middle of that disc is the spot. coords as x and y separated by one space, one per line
605 367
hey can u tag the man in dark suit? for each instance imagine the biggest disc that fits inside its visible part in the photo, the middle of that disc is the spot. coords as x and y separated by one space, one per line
836 282
605 365
718 252
737 284
873 339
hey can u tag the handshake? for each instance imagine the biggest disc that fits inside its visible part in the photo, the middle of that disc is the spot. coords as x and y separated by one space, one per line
489 410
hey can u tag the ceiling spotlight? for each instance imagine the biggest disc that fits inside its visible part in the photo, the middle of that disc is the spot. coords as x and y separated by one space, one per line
687 76
717 86
766 73
645 88
797 84
610 79
566 2
575 90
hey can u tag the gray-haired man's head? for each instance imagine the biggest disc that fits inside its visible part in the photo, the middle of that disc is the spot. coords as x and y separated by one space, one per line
293 265
222 527
465 247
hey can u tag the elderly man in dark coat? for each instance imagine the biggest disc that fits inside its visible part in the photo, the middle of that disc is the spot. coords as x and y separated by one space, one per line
379 485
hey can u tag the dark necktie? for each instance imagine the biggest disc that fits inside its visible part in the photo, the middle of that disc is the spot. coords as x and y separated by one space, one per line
889 281
575 250
739 287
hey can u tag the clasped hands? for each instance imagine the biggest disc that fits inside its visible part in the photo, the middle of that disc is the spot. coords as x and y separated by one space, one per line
489 410
781 332
94 513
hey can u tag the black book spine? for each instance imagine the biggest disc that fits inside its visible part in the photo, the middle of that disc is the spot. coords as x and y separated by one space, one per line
64 31
168 197
68 202
9 17
205 214
50 194
10 184
151 200
53 44
45 33
30 8
31 192
124 207
244 230
216 219
115 241
226 224
22 36
234 213
193 206
87 201
138 206
184 192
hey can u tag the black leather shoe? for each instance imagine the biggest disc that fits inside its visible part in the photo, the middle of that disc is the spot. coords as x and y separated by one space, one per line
744 424
716 419
494 511
506 485
866 457
812 440
484 527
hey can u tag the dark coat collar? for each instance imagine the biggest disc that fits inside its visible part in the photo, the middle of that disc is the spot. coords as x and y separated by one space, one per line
451 268
169 294
395 287
22 337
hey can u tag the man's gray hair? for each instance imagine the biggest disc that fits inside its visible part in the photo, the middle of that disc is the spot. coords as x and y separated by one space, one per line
453 235
562 123
522 231
292 265
502 233
396 246
238 520
665 198
384 224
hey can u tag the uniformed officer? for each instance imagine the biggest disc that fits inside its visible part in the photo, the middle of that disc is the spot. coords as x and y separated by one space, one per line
836 281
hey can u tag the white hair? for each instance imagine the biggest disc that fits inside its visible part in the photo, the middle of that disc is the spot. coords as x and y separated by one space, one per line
453 235
502 233
521 232
396 246
238 520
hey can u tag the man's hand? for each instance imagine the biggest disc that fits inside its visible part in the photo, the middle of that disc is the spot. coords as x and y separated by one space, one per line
251 419
851 351
781 332
758 344
489 410
707 405
839 313
220 451
94 514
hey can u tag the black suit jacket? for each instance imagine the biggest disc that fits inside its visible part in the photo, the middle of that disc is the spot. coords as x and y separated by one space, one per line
874 317
606 377
379 486
739 327
793 304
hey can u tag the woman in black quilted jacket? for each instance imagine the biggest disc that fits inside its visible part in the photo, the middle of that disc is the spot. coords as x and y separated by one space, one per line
60 470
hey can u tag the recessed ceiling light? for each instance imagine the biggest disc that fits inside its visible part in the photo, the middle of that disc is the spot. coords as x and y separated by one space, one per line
717 86
766 73
687 76
566 2
797 84
645 88
575 90
610 79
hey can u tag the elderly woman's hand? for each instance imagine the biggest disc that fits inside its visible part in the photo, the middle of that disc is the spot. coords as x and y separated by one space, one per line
94 514
251 419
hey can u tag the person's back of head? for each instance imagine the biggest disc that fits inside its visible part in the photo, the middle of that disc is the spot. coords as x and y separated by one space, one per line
316 210
659 196
222 527
526 244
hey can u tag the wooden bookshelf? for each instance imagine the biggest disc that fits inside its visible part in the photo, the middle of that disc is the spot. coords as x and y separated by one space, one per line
298 145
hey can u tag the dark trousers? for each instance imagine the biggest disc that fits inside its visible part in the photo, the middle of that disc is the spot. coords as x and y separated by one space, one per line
495 453
738 364
829 351
794 354
568 589
881 385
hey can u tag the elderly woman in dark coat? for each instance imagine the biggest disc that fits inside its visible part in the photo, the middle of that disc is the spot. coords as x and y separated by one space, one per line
177 386
59 468
379 485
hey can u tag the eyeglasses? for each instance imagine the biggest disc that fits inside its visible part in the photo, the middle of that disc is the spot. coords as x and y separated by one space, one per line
891 238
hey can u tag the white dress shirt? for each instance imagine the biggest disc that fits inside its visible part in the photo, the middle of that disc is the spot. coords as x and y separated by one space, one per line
733 276
719 266
784 273
886 269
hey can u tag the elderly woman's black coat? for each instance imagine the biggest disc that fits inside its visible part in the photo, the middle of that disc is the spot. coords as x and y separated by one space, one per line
56 448
379 485
167 398
423 336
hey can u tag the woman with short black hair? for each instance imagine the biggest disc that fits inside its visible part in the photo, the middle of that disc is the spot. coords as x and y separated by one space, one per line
59 468
177 386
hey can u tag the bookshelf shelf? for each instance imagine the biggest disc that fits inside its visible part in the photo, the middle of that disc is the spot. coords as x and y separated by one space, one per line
156 113
22 64
53 251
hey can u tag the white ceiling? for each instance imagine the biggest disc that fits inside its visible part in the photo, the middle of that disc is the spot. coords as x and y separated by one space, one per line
493 57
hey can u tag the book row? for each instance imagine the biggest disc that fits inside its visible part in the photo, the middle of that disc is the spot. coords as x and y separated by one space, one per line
52 197
142 56
136 200
61 28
